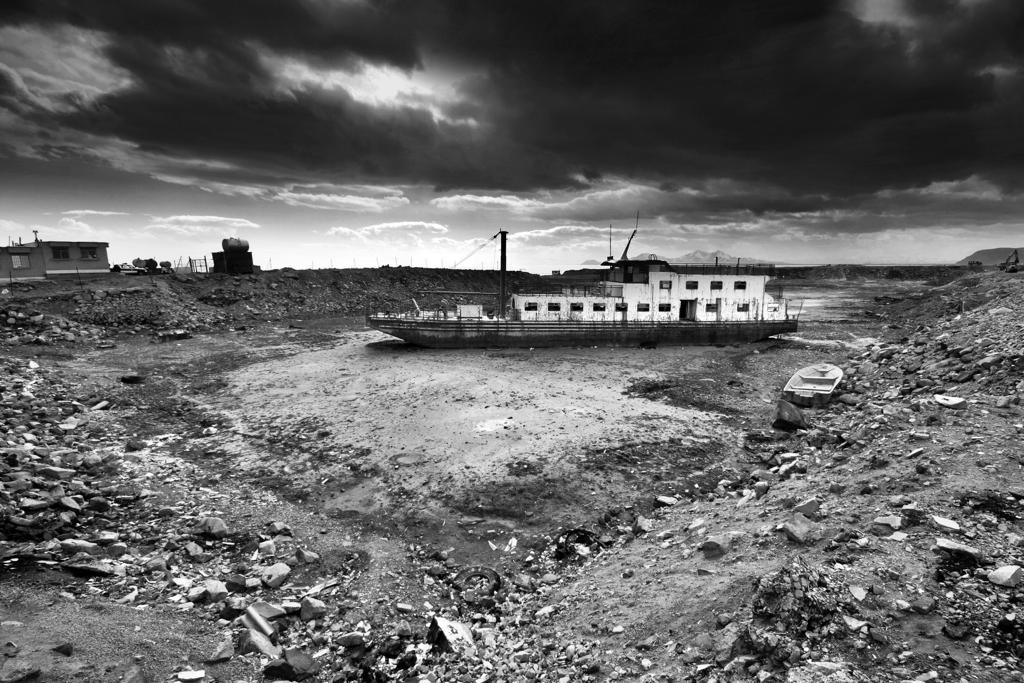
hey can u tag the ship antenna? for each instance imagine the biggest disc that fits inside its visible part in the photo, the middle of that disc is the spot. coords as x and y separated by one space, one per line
610 254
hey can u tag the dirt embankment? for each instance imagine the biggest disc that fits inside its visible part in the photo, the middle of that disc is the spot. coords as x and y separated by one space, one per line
68 310
936 273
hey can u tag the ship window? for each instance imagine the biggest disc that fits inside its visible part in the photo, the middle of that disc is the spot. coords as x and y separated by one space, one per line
530 306
711 308
643 307
598 308
19 261
664 307
665 284
575 306
773 308
60 253
716 284
743 308
621 306
740 284
691 284
88 253
554 307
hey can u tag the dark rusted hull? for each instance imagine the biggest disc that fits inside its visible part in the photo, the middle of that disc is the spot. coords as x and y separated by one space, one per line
510 333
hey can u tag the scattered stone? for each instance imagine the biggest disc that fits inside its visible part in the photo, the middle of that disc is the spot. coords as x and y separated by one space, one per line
888 522
945 524
213 527
224 651
788 417
809 508
312 609
275 575
951 402
798 528
1007 575
715 546
296 665
956 549
215 590
254 641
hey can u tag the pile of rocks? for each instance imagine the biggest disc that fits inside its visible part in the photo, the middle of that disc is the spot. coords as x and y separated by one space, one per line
140 309
23 325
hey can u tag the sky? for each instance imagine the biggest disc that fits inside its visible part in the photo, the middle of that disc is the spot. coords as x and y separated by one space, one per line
341 133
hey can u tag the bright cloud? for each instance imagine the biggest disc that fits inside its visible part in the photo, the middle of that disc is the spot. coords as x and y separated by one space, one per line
342 202
91 212
195 225
406 228
472 202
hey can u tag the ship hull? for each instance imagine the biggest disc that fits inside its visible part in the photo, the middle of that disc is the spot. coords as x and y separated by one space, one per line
457 334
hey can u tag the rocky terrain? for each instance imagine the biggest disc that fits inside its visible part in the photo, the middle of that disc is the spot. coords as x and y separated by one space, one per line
878 538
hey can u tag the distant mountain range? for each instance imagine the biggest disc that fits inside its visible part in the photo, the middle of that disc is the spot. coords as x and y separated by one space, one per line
991 257
698 256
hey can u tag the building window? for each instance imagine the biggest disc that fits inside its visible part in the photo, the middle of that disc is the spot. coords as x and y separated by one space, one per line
643 307
575 306
716 284
19 261
530 306
691 284
60 253
664 307
740 284
711 308
598 308
621 306
665 284
552 308
88 253
743 308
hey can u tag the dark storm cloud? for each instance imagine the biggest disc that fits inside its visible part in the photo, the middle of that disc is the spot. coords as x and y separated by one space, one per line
800 95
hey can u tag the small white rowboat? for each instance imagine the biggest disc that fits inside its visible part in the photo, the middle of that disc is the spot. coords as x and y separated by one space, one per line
813 385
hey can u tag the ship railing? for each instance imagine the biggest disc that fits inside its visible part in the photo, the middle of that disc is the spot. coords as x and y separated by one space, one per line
440 314
724 269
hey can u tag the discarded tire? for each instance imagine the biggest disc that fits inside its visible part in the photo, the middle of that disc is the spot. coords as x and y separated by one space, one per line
477 583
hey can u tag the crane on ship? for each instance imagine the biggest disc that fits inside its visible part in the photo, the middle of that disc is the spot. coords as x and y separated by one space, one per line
625 251
1012 263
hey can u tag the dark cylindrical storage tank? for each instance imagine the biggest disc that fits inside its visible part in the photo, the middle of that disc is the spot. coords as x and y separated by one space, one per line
234 244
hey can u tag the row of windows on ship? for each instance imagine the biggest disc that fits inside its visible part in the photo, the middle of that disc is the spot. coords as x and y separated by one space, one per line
693 284
643 307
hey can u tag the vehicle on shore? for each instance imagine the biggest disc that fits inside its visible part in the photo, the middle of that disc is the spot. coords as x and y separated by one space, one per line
644 301
127 269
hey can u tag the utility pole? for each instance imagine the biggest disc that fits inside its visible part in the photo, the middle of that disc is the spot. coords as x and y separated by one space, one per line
501 276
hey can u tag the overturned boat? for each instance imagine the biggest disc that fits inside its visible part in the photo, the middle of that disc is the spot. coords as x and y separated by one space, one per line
642 301
813 386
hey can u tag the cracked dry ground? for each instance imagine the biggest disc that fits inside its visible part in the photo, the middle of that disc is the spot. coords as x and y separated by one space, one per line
644 521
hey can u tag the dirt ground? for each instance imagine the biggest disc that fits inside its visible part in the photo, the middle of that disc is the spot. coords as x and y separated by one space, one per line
380 453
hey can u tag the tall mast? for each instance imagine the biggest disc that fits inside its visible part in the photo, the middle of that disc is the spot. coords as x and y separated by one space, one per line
501 276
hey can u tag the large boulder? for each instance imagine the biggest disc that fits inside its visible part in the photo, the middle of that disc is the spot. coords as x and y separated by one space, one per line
788 417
